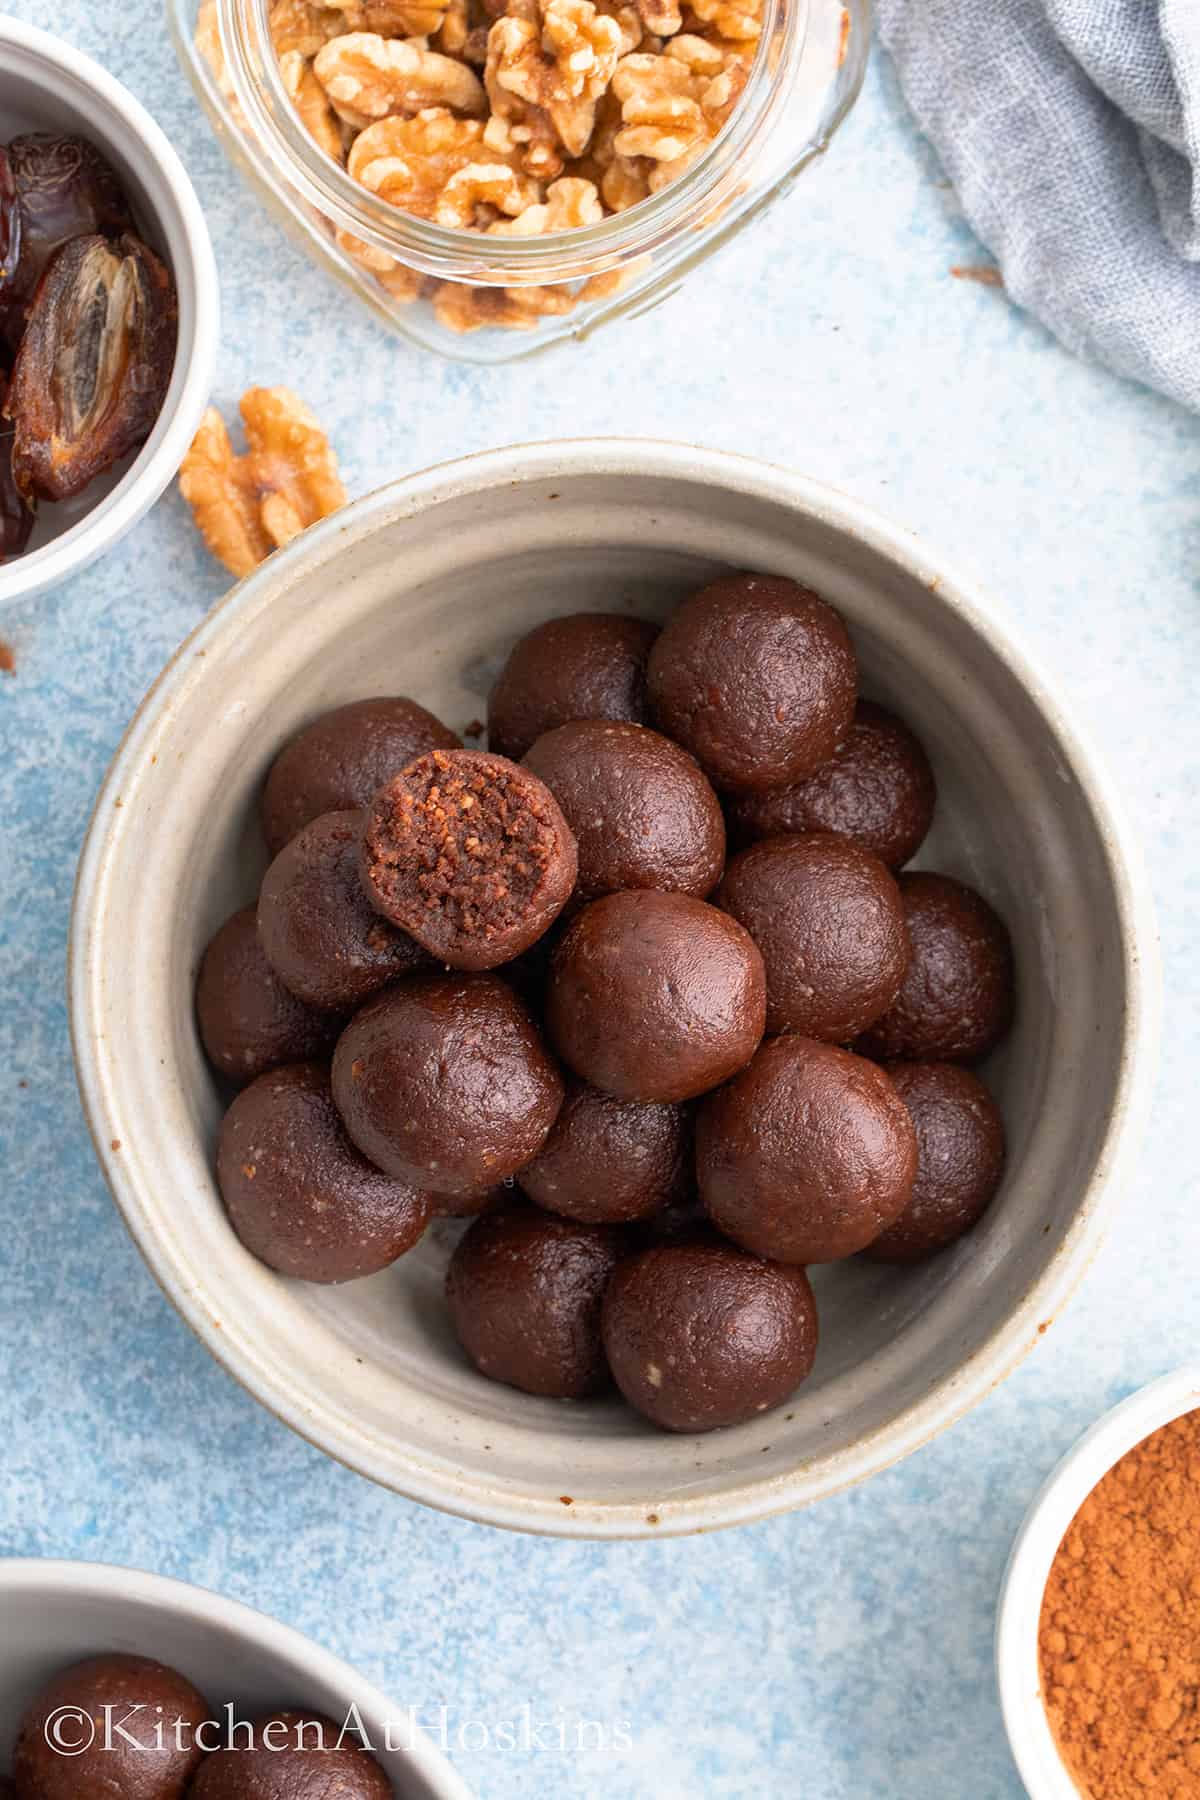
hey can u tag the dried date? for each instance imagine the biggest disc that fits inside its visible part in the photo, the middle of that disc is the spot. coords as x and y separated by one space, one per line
16 516
94 364
10 222
64 189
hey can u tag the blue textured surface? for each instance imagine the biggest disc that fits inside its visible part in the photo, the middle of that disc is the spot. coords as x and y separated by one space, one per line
841 1652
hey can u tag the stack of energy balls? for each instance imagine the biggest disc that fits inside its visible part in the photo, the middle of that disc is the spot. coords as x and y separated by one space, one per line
639 987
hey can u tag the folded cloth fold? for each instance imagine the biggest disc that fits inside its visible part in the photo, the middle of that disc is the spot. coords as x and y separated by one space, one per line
1071 130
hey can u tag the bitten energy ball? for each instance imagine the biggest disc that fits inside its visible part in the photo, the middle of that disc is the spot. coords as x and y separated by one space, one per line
960 1159
584 666
807 1155
444 1082
655 996
299 1195
141 1693
701 1334
292 1756
524 1291
317 928
956 1001
826 915
470 855
643 812
606 1160
756 676
249 1022
337 763
877 789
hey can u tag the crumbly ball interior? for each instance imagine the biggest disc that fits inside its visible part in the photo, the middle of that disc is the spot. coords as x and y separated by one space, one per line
473 844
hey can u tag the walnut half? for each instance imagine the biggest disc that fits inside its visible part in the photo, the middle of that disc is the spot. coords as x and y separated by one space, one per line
368 77
247 506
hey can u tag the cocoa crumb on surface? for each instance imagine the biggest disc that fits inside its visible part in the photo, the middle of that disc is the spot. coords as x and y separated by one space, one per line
475 729
8 658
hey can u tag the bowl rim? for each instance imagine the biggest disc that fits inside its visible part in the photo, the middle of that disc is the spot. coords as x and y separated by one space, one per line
962 1387
184 1599
146 478
1035 1546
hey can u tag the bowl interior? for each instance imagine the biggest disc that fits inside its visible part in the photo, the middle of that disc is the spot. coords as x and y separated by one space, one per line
58 1614
38 92
421 590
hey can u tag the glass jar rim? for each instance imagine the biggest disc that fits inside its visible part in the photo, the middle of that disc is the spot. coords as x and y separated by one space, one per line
459 254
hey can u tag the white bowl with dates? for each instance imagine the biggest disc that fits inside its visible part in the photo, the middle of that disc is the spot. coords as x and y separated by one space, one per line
47 86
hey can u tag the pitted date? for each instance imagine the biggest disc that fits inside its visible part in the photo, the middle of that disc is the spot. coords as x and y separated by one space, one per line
94 364
10 223
16 515
64 189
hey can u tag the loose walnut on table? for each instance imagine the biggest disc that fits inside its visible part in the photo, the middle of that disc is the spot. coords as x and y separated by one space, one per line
246 506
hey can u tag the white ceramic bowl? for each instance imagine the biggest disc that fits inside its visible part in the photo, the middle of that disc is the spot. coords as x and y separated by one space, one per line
1042 1531
421 588
45 85
57 1613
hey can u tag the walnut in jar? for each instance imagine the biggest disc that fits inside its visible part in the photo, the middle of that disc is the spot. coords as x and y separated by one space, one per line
367 77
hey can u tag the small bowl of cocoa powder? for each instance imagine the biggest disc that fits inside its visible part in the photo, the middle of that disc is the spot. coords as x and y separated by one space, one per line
1097 1648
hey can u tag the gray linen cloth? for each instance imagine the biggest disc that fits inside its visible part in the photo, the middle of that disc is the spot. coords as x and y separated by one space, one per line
1071 130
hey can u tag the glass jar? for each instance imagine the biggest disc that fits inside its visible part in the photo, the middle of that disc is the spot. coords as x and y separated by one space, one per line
806 74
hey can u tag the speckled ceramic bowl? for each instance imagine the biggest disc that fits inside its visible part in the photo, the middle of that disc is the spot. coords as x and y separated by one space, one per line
57 1613
420 589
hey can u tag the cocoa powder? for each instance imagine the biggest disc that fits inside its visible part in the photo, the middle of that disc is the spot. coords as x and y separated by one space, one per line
1118 1645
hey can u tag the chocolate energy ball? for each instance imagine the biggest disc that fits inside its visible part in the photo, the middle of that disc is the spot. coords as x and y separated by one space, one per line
299 1195
292 1756
470 855
807 1155
64 1751
655 996
524 1291
756 676
877 789
957 998
960 1159
583 666
339 761
700 1334
643 812
249 1022
318 930
826 915
469 1206
445 1082
608 1161
679 1221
